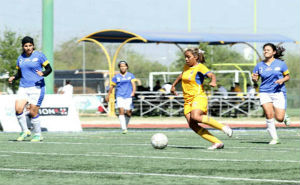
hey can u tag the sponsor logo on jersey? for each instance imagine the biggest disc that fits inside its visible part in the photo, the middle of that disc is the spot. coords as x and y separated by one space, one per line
269 69
277 69
35 60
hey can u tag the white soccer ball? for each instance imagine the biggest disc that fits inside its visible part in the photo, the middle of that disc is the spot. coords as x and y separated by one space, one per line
159 141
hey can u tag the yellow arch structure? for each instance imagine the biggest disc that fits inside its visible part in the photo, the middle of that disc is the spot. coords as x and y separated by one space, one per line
111 63
240 69
238 65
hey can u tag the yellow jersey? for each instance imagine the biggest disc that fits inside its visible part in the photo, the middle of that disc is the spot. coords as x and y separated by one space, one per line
192 81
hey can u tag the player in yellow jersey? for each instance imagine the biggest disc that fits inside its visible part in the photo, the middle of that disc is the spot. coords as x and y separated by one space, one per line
195 98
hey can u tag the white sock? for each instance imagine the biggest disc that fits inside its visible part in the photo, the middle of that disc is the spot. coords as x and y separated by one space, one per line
36 122
122 121
22 121
127 118
271 128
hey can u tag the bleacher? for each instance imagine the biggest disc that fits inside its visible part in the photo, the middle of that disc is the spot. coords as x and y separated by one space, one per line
147 103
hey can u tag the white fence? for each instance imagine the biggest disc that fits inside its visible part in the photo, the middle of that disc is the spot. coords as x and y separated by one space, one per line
159 104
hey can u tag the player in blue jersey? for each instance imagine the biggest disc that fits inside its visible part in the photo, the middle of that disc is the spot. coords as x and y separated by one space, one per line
273 73
125 90
31 88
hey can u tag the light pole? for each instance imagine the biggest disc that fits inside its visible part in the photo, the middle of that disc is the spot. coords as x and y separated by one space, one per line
83 69
47 43
189 16
254 30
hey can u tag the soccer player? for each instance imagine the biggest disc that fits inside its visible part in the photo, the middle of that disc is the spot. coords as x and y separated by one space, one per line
125 90
274 73
31 88
195 98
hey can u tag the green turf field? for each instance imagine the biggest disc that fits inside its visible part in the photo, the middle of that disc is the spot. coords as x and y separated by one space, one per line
108 157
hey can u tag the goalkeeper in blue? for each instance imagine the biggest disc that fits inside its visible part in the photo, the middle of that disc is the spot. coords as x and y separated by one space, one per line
30 66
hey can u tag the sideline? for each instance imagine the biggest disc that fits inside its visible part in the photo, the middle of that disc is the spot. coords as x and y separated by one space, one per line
170 125
177 122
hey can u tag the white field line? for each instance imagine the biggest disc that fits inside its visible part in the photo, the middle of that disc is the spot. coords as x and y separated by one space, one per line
151 174
146 144
150 157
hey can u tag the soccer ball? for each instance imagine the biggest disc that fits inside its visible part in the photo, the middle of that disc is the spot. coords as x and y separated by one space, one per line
159 141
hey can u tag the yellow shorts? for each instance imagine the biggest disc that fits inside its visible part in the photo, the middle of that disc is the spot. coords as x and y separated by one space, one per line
199 102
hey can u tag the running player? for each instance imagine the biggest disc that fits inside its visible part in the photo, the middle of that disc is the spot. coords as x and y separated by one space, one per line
195 98
274 73
31 88
125 90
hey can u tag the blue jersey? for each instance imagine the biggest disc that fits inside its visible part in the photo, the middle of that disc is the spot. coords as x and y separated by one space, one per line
269 74
123 84
28 67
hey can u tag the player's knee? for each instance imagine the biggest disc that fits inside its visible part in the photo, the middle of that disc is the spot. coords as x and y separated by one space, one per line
280 118
269 115
128 114
33 112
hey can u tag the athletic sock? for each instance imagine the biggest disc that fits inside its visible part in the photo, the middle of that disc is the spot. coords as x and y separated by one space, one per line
122 122
211 122
22 121
36 122
271 128
208 136
127 118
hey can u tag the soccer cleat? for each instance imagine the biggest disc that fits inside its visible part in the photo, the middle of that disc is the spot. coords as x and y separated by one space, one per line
274 142
23 135
125 131
286 120
227 130
216 146
37 138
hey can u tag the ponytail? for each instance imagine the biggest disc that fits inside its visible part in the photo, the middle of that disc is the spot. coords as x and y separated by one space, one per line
197 53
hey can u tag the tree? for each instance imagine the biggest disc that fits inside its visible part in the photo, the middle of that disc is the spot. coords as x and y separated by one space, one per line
140 66
293 85
9 51
69 57
215 55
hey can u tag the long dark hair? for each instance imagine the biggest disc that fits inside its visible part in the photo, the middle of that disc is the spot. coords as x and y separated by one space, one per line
278 49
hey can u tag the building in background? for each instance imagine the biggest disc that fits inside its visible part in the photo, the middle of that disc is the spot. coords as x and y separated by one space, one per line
94 80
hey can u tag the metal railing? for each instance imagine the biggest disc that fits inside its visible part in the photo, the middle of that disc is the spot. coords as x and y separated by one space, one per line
160 104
